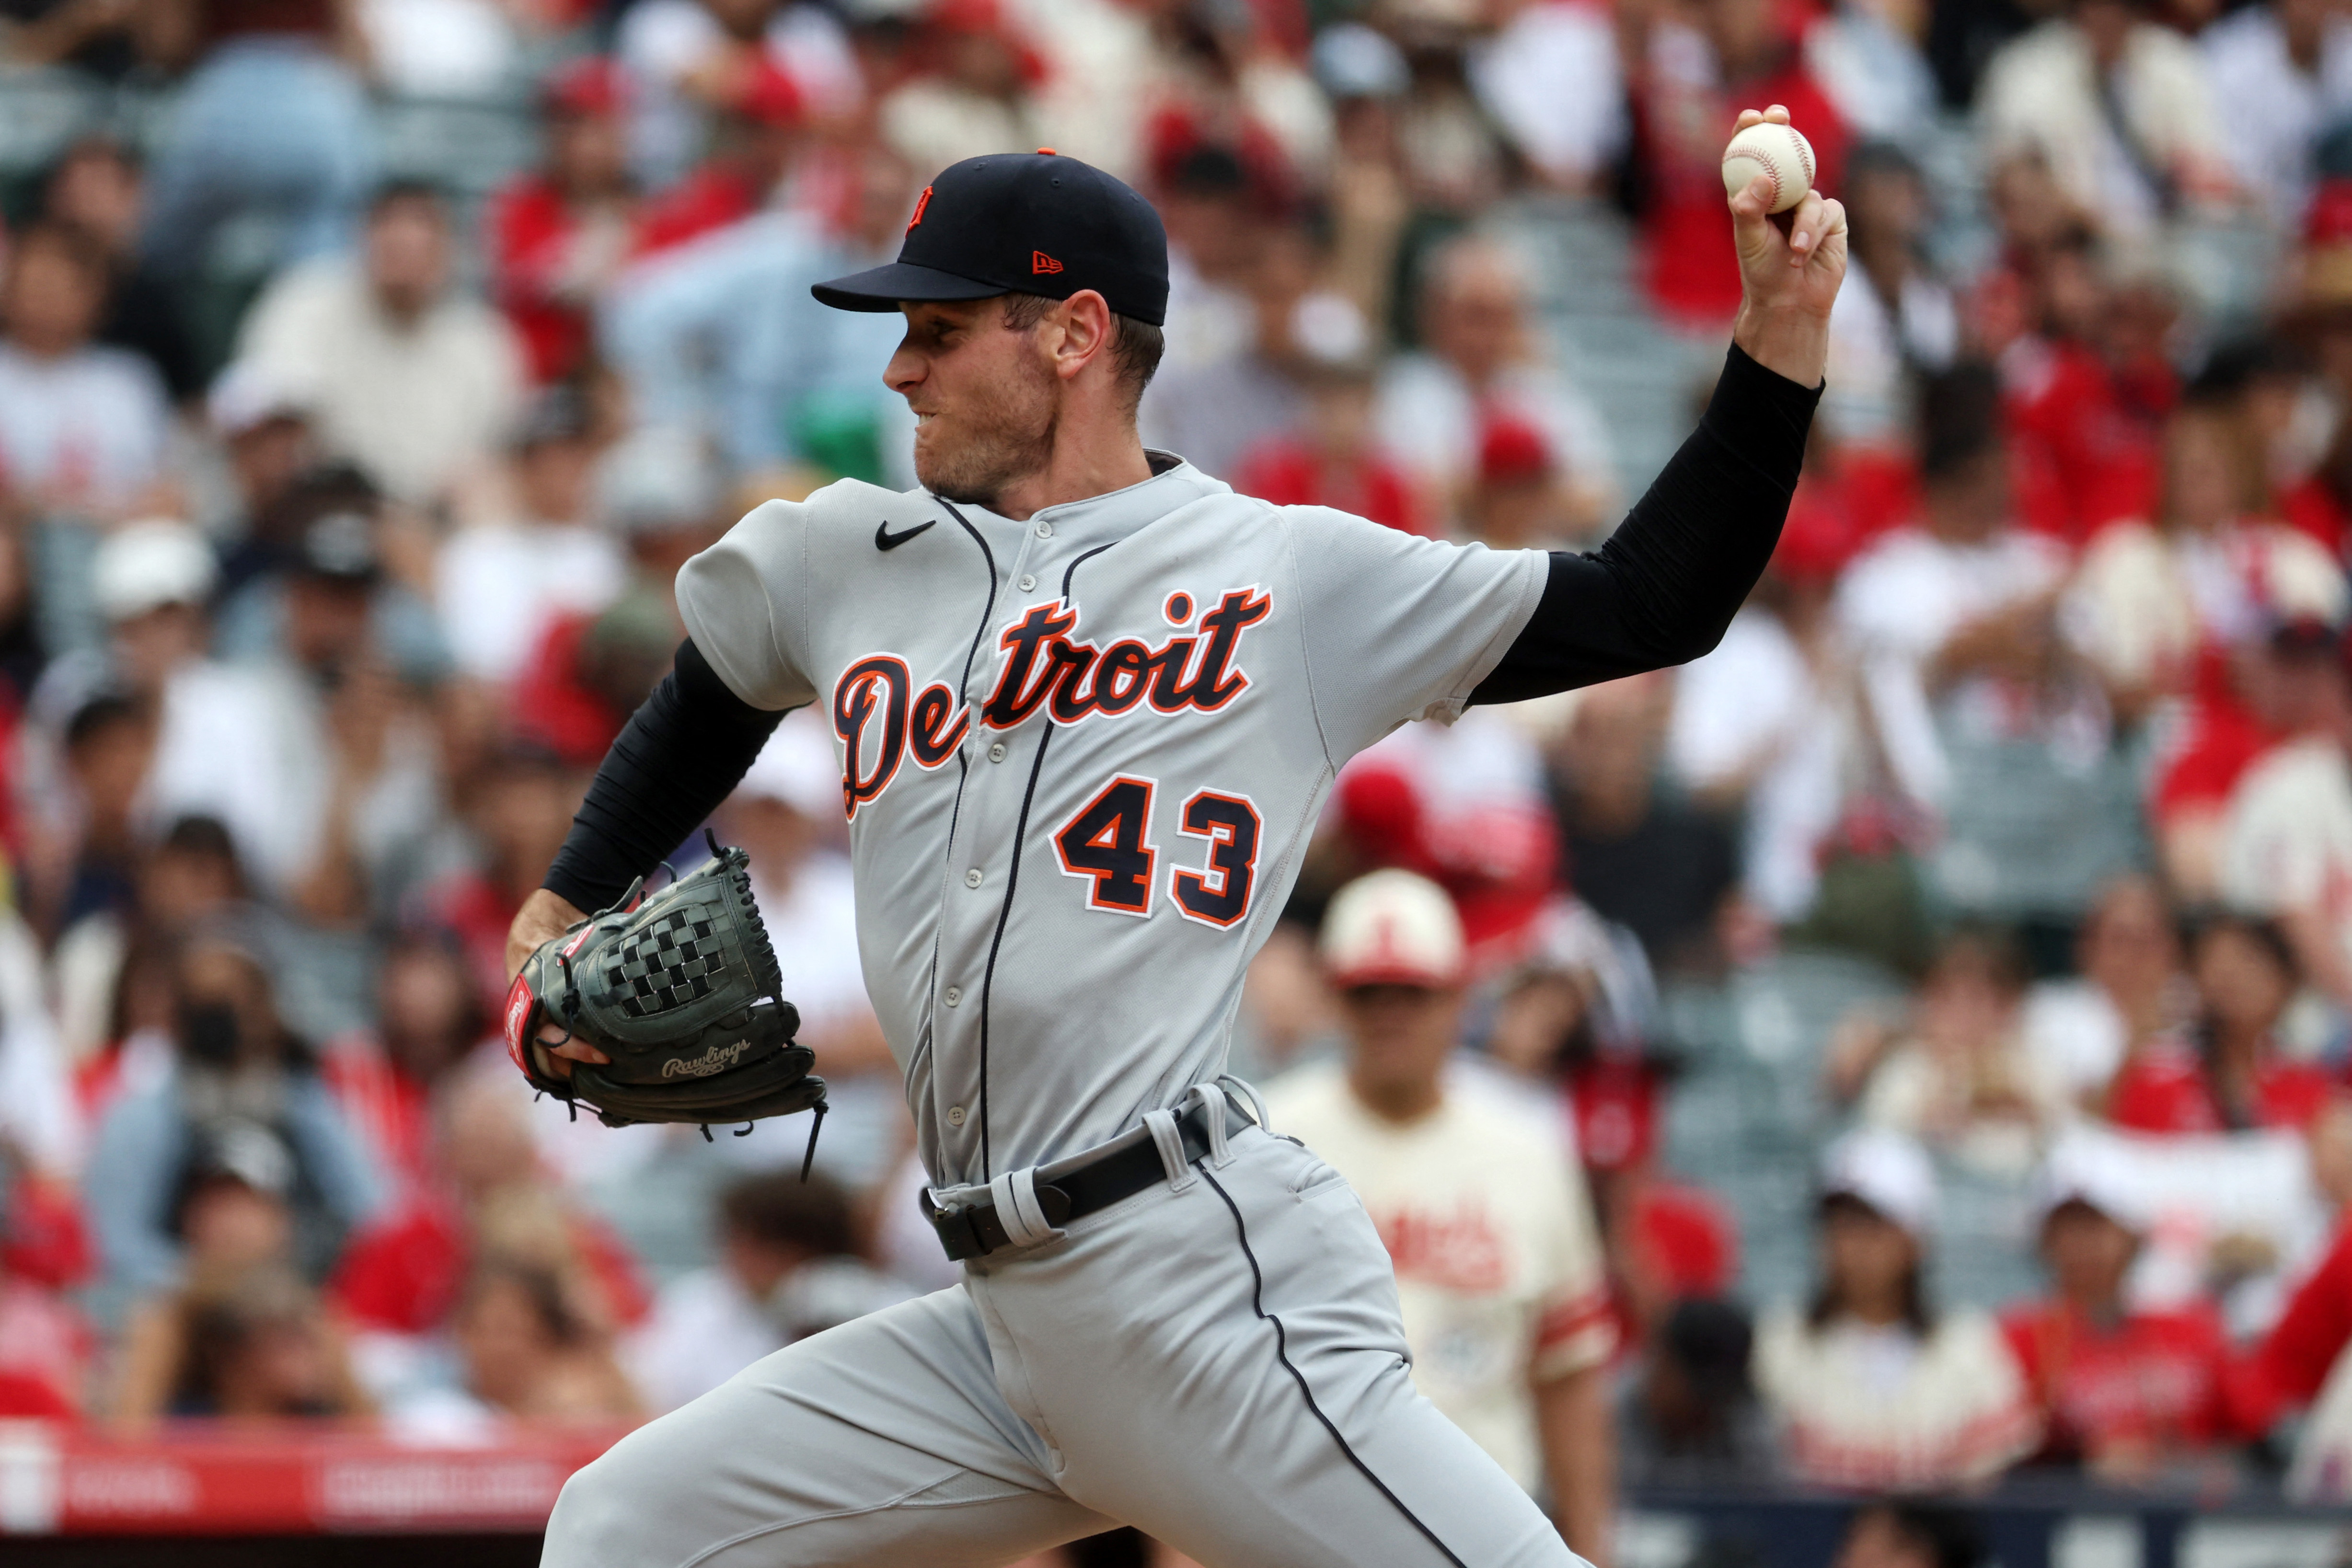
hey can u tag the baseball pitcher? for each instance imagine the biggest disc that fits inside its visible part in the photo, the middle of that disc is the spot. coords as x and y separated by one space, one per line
1087 702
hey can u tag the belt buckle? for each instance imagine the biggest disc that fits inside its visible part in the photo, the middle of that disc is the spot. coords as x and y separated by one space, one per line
958 1226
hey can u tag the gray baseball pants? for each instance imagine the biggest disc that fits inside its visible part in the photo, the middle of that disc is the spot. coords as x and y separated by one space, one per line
1217 1360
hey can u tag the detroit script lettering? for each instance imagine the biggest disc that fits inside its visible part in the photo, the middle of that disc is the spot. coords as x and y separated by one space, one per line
881 718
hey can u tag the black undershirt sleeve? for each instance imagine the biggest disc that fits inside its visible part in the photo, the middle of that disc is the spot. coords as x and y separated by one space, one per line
682 752
1667 583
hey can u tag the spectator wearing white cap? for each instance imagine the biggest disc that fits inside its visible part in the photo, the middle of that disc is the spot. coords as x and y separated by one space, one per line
787 812
151 579
1871 1387
1500 1276
2127 1393
218 749
264 421
305 754
1370 201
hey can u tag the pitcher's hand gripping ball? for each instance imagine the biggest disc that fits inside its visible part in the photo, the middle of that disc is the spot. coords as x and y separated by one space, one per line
1780 154
681 992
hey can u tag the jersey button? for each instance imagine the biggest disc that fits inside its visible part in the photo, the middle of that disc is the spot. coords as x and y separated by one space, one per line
996 752
952 996
972 877
1044 530
955 1115
1027 583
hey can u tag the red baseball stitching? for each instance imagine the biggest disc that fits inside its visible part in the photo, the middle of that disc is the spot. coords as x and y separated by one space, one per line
1763 156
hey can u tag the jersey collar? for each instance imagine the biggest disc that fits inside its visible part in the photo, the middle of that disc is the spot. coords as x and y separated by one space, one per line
1108 518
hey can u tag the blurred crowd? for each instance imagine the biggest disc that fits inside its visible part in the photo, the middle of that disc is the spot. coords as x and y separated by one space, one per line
339 515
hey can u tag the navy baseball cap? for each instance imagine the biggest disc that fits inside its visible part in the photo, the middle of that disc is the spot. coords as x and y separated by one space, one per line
1020 223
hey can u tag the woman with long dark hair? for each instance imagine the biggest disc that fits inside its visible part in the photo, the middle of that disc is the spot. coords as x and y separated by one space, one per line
1871 1387
2228 1071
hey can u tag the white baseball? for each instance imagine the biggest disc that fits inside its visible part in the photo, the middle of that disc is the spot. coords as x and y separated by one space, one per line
1780 153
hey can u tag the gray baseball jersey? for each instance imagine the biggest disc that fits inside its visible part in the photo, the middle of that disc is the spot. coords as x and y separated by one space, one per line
1080 758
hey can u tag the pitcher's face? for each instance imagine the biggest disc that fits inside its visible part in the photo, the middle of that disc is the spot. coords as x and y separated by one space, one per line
984 402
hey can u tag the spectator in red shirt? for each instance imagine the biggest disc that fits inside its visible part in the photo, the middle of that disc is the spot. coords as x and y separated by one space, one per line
1687 89
2124 1395
429 1014
2289 1368
1522 498
753 147
2319 501
406 1276
1668 1241
519 808
1334 457
662 493
559 233
45 1345
2228 1073
2085 439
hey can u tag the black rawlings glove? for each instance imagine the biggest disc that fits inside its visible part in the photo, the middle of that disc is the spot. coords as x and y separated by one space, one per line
680 989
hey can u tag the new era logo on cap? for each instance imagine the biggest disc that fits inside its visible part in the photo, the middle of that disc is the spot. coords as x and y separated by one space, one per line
1020 223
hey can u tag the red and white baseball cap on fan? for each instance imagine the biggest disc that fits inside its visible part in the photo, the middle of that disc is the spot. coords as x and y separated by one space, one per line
1391 928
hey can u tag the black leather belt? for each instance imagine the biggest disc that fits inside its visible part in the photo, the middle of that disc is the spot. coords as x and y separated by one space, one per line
973 1228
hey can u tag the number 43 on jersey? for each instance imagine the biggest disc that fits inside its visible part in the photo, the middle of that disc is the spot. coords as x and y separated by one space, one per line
1108 843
